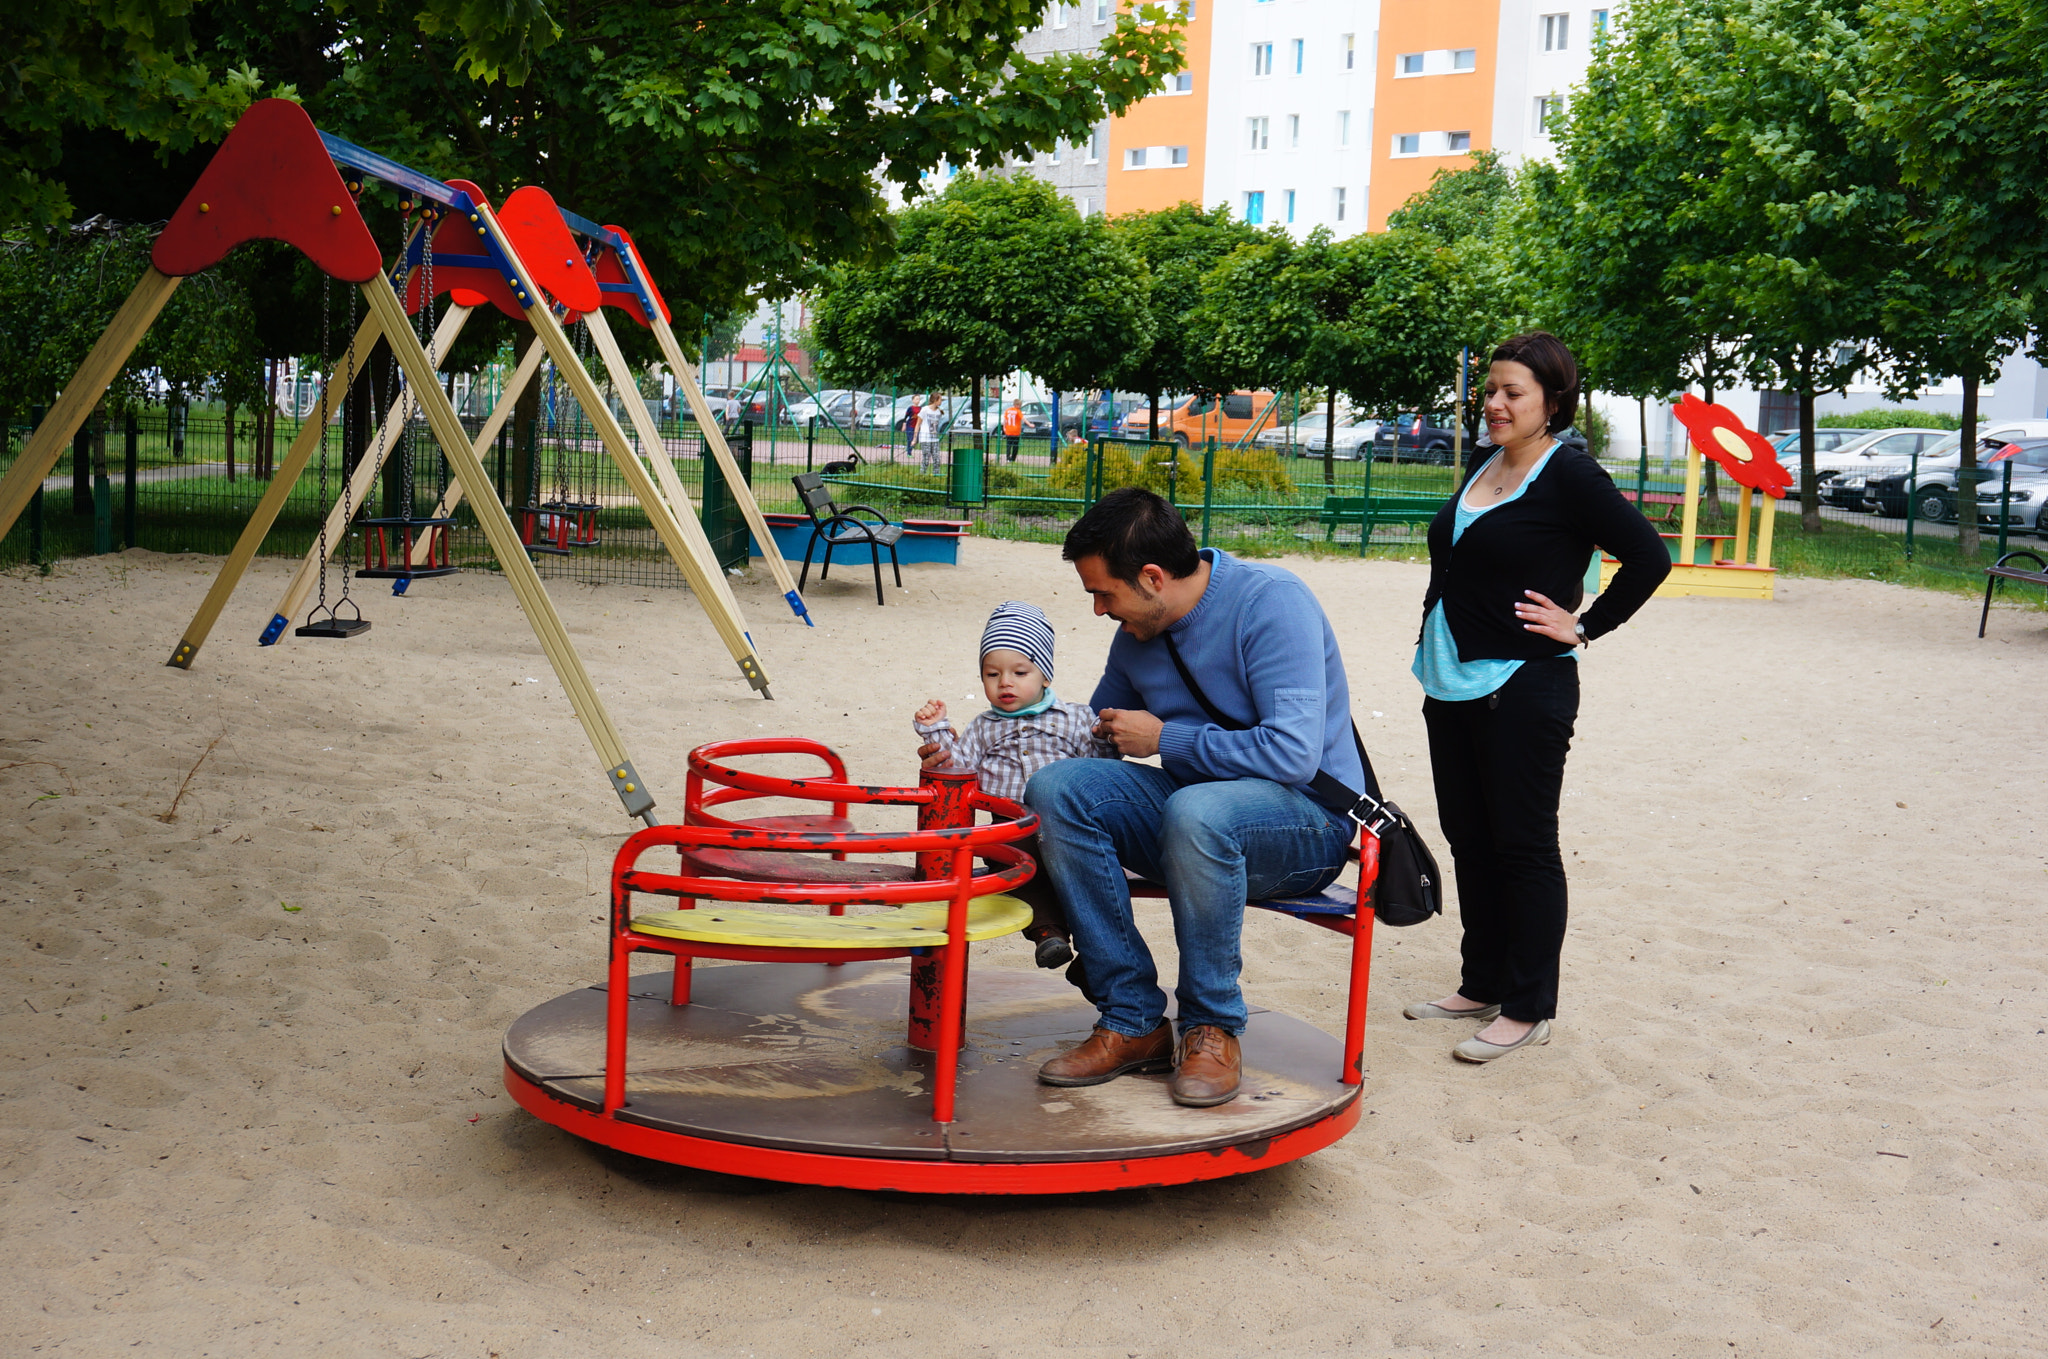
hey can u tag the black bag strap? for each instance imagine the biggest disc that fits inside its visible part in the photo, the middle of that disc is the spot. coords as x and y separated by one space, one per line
1364 809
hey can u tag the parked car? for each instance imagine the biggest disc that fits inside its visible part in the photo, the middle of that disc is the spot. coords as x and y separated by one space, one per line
1786 441
833 405
1409 437
1934 476
1350 441
2029 488
1313 421
1845 457
1086 415
1193 419
1891 452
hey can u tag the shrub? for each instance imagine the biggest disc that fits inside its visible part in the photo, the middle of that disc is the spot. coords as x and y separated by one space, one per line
1889 417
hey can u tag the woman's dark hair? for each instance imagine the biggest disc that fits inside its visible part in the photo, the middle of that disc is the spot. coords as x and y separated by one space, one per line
1545 355
1130 529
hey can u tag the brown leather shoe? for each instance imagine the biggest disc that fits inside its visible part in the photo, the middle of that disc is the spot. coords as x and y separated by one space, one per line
1108 1054
1208 1067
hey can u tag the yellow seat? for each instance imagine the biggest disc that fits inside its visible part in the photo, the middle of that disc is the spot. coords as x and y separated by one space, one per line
917 925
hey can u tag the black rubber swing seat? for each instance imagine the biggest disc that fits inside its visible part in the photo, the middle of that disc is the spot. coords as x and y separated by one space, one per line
333 627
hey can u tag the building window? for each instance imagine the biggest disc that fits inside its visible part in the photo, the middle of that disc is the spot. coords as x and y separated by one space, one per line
1134 158
1255 129
1290 207
1408 144
1299 55
1556 31
1408 63
1337 206
1599 22
1087 206
1349 44
1459 141
1293 134
1343 127
1549 112
1262 58
1182 83
1054 157
1176 155
1059 16
1095 144
1255 207
1465 59
1101 17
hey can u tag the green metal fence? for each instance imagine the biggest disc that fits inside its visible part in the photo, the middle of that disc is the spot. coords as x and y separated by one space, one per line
173 482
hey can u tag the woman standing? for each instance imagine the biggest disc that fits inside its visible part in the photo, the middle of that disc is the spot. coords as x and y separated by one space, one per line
1498 662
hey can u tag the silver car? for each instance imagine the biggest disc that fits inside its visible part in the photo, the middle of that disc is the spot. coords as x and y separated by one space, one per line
2029 494
1352 441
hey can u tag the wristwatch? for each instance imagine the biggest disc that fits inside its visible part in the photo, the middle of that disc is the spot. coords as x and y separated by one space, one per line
1579 626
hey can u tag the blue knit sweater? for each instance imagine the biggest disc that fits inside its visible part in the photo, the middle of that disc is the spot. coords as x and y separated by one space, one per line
1258 643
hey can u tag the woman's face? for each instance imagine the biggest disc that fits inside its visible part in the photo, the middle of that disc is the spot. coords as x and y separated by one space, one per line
1516 408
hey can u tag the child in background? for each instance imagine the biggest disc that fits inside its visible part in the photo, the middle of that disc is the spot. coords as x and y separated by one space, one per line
1025 728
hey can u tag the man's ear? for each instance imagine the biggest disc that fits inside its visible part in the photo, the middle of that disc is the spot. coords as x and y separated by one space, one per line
1152 579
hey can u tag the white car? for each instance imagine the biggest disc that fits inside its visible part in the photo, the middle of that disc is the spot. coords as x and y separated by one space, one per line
1846 457
2029 490
1934 476
1352 441
1297 435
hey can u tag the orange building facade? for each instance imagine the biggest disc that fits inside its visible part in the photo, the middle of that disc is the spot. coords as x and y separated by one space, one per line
1432 108
1166 134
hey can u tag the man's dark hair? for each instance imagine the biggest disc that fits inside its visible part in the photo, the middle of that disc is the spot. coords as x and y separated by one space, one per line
1545 355
1130 529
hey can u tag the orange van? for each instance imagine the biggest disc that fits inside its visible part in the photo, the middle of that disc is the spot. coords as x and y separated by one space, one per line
1193 419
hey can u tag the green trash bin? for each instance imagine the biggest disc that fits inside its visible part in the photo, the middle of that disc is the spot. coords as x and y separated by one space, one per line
968 485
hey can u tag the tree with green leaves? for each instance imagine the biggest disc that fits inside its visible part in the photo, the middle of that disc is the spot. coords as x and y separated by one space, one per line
994 275
1178 246
1954 93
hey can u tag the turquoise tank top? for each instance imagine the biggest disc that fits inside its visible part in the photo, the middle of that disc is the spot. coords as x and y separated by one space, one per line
1444 677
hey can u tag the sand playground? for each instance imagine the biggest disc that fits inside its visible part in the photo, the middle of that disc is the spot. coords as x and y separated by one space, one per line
250 1096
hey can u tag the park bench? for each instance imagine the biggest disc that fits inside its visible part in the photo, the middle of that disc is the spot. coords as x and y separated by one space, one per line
1659 507
1367 512
1998 573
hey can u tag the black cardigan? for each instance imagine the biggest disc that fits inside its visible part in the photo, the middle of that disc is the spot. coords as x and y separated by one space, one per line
1541 541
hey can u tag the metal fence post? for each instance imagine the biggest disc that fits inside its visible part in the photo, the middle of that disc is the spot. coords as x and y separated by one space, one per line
1208 486
35 504
102 488
1912 498
810 440
1365 496
2004 506
81 470
130 461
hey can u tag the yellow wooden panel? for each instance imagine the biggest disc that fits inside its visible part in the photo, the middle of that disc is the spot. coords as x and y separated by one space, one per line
1722 582
919 925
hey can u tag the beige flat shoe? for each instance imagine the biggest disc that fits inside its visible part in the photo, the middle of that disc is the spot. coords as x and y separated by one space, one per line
1475 1050
1429 1009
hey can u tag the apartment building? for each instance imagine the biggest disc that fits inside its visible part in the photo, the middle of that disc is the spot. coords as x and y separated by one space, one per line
1290 113
1079 171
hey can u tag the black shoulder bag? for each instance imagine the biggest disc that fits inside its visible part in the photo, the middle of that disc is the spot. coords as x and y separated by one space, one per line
1408 889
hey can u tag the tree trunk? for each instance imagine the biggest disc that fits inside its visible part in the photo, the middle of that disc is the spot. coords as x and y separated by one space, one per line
1967 543
1330 441
269 449
1642 430
975 402
523 475
1710 494
1809 478
228 437
1152 430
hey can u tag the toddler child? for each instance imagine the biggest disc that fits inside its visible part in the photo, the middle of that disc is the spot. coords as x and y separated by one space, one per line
1025 729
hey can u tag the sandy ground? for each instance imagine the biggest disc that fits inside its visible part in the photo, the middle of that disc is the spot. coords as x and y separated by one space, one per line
249 1070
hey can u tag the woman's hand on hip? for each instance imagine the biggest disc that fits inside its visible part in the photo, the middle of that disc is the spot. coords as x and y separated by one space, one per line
1560 625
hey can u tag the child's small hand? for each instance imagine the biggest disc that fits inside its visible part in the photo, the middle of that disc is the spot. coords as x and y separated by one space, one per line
933 711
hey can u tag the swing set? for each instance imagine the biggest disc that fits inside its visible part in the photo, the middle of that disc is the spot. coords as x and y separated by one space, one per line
278 177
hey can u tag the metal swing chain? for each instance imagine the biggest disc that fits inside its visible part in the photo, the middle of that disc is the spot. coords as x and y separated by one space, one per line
326 390
561 454
348 512
425 324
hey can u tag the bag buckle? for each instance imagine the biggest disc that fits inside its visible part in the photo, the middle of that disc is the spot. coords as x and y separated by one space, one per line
1377 817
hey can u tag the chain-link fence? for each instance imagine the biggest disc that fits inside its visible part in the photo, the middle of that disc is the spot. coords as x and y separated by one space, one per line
172 482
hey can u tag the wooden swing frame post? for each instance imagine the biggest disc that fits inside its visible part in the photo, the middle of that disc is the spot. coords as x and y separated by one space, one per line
508 399
282 482
53 436
359 483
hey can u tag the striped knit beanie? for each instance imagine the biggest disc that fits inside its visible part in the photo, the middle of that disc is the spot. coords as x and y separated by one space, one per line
1020 627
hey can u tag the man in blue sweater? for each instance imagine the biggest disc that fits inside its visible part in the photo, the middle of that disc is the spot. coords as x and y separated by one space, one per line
1225 817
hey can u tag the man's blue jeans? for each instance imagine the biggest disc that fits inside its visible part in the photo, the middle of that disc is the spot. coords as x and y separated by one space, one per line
1213 845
